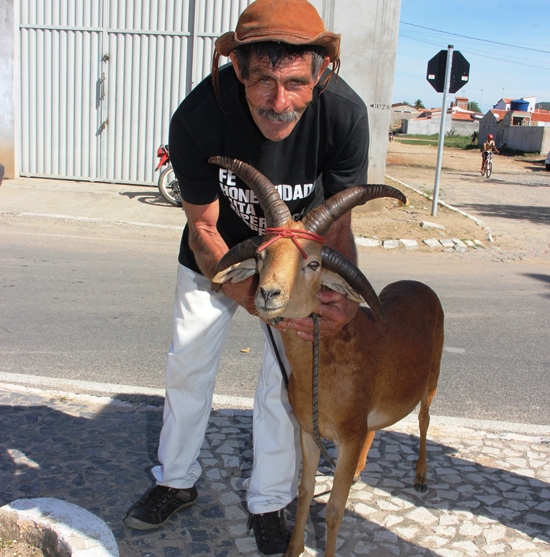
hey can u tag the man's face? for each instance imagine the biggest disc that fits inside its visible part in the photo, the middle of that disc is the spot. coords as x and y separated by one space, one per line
278 97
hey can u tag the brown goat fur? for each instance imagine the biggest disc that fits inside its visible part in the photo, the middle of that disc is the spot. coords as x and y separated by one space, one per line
371 375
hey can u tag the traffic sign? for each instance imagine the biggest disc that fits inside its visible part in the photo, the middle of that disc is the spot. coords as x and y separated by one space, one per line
460 71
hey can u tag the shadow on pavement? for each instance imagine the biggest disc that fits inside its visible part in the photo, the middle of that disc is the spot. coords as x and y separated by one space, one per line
545 279
536 215
152 198
99 457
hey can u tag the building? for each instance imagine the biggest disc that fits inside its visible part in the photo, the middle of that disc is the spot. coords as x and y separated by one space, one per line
459 120
518 130
88 88
507 104
400 112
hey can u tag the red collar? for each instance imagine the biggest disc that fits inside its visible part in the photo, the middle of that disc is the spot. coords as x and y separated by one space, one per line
291 233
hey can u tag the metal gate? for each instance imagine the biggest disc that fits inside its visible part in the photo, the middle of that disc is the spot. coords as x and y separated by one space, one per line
100 80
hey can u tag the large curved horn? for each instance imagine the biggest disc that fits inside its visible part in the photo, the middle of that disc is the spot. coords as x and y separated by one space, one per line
320 219
275 210
335 261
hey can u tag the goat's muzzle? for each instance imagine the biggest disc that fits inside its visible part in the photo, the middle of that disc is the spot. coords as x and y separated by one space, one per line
266 298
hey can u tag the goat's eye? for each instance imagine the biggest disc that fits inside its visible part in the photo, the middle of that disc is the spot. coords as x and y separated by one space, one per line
314 265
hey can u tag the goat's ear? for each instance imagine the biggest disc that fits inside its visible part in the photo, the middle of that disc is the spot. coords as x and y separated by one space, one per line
335 282
235 273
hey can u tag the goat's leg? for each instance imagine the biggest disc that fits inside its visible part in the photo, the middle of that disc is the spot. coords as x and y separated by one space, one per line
420 483
364 452
348 455
310 460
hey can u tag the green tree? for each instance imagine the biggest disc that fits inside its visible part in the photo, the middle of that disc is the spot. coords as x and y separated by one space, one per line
473 106
418 104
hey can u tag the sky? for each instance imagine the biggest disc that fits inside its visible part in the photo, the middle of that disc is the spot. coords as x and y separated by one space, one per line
507 44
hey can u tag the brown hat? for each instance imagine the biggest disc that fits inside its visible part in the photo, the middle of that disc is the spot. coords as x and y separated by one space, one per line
288 21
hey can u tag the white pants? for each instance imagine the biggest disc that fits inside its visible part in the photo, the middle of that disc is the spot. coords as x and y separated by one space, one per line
201 324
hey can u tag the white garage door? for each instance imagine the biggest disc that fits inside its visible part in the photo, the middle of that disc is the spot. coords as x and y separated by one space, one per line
100 80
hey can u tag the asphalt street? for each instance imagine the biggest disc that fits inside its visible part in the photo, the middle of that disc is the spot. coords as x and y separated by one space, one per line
87 297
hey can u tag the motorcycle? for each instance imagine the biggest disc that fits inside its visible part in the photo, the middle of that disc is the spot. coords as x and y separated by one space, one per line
168 183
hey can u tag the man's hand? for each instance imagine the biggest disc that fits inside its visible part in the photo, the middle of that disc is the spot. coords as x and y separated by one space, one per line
243 293
334 311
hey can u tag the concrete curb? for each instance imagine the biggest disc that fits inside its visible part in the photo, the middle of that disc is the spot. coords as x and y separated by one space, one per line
449 244
70 529
94 393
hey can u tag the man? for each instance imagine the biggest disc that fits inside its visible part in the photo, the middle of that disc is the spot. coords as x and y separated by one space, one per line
276 108
488 146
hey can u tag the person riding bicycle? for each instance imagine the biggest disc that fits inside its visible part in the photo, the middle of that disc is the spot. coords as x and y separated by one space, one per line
488 147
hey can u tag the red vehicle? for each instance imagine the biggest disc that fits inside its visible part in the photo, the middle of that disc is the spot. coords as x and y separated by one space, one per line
168 184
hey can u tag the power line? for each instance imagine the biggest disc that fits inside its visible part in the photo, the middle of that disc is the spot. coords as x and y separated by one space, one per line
475 38
507 60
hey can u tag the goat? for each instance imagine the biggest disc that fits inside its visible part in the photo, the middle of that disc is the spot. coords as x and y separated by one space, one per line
372 374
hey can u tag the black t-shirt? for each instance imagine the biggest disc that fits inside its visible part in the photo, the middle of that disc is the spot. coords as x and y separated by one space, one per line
326 152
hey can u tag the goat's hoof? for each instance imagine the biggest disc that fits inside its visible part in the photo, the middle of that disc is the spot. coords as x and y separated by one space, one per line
422 488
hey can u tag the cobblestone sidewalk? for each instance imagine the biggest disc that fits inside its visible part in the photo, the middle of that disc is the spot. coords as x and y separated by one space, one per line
489 492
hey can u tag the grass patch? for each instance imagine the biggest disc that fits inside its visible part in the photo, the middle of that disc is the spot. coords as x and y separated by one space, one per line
458 142
451 140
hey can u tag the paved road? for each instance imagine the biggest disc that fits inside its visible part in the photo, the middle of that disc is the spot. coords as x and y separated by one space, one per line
91 301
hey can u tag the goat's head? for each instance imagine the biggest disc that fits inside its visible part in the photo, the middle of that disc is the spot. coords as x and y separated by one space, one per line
291 260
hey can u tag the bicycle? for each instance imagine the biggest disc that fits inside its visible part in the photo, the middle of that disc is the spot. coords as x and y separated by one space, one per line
488 164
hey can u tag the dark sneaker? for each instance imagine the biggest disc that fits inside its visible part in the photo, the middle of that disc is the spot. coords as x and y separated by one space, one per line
158 505
270 532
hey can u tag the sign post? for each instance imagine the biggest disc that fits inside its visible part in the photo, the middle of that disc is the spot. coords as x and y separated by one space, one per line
450 80
442 130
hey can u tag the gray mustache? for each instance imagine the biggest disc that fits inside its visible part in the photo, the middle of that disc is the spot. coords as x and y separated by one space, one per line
279 117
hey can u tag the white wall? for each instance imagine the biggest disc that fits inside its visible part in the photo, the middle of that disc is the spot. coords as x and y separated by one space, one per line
369 43
430 126
530 139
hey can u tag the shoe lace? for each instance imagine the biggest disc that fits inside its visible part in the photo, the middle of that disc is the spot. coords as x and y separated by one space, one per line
270 525
157 496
